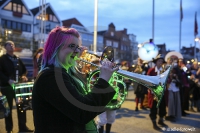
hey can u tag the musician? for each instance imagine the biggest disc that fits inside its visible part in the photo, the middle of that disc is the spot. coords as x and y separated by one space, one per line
106 119
36 61
173 99
156 70
60 104
125 66
183 74
9 64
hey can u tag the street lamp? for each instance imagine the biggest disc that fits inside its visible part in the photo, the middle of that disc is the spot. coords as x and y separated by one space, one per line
140 45
197 39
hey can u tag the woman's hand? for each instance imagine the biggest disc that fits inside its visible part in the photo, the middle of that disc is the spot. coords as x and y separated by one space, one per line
24 79
106 70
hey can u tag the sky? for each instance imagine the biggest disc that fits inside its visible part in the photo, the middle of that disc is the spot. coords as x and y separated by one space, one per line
136 17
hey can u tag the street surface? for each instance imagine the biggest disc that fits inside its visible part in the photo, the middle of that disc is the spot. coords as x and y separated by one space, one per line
130 121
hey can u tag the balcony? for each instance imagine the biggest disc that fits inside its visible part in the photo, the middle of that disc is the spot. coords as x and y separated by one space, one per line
17 14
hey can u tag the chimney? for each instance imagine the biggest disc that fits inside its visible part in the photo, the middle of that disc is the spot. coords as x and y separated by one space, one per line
125 31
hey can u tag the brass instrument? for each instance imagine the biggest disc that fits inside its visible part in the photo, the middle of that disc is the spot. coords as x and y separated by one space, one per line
87 68
155 83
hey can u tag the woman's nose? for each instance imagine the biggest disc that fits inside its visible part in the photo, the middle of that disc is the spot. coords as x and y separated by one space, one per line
77 50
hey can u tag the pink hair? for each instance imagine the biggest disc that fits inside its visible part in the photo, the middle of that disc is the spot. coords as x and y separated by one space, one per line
57 37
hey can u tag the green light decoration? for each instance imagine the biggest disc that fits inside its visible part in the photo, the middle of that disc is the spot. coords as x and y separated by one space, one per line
23 95
23 85
114 81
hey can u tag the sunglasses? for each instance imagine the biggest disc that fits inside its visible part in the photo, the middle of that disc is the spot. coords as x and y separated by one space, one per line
74 47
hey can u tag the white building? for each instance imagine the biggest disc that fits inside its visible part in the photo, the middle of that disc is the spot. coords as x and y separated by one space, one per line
26 28
86 36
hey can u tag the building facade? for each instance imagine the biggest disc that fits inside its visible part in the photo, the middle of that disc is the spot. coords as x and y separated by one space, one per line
86 36
16 23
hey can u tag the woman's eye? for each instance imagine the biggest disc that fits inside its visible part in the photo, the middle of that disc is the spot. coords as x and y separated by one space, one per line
72 45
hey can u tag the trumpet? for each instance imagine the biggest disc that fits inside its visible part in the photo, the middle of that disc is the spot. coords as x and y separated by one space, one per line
155 83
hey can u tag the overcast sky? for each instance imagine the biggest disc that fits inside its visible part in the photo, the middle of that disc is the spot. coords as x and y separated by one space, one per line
136 17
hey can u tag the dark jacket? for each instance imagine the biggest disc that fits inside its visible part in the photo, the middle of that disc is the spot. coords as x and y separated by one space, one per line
60 105
8 69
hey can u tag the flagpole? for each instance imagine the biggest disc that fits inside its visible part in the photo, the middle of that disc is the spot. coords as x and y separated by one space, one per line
95 25
194 38
195 58
153 21
180 25
195 33
180 36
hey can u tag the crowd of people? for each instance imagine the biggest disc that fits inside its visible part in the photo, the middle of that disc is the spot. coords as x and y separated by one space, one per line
61 103
181 94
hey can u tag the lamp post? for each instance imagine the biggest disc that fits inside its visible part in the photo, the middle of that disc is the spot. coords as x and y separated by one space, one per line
95 24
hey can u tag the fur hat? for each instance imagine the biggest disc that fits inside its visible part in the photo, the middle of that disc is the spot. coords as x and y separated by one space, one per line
159 56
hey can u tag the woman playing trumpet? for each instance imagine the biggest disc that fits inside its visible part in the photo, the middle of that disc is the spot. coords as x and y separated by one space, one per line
60 103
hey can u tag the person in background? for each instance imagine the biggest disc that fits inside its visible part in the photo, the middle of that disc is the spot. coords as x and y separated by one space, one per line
197 93
125 66
107 118
140 89
194 93
59 100
156 70
174 104
12 70
182 73
145 68
36 59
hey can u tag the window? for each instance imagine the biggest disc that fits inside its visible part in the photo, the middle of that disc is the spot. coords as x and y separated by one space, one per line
3 23
19 26
115 44
108 43
41 17
84 36
16 25
8 7
8 25
24 10
50 17
112 33
55 19
100 39
28 28
47 17
90 37
17 8
24 27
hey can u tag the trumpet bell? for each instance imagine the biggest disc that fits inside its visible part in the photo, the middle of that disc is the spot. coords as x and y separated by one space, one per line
155 83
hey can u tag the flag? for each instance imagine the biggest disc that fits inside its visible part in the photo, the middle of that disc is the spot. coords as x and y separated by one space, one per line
195 24
181 11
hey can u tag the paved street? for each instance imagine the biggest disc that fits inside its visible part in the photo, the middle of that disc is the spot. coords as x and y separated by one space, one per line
130 121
